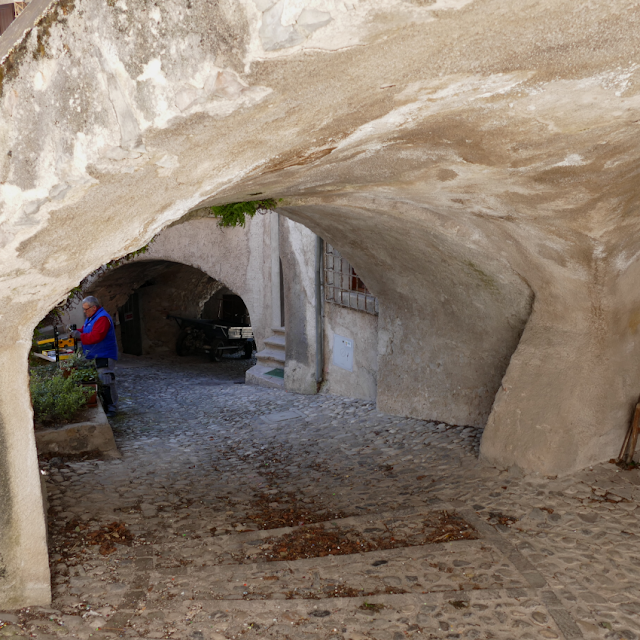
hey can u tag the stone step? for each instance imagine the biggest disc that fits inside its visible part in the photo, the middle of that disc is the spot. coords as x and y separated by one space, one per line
459 565
364 520
276 342
433 614
257 375
267 357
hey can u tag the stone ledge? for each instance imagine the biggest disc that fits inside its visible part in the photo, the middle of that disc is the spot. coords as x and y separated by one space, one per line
257 375
80 437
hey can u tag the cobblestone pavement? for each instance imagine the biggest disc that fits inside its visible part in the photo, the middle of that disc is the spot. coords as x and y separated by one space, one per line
185 544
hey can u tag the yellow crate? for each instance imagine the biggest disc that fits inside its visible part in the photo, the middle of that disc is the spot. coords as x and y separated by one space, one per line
65 342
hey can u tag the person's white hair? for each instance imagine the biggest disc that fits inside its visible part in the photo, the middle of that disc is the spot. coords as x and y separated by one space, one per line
93 301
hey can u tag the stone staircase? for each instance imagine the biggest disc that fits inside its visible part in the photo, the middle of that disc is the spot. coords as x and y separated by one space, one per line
271 358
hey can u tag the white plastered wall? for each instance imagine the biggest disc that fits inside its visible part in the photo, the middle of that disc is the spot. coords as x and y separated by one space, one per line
362 329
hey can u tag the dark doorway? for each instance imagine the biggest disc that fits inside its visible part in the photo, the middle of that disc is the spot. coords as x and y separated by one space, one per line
130 326
234 309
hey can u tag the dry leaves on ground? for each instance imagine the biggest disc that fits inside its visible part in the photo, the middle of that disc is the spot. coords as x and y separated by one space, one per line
110 535
77 535
340 591
289 512
319 541
447 527
501 518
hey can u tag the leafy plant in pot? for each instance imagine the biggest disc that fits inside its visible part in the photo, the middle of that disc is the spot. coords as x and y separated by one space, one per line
76 362
83 373
87 377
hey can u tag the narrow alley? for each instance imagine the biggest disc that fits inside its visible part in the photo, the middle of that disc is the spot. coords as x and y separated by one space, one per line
244 512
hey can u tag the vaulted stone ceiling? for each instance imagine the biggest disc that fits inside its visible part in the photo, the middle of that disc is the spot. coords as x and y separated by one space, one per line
475 160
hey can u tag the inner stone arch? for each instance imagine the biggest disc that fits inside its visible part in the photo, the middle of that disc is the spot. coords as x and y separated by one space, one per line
451 311
154 290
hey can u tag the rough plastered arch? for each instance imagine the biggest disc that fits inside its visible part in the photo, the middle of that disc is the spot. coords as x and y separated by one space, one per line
163 288
237 258
462 130
450 311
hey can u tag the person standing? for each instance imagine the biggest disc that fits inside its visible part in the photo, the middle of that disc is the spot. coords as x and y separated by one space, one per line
98 338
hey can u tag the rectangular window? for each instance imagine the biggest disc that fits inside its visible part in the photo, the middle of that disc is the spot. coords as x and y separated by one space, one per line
343 286
9 11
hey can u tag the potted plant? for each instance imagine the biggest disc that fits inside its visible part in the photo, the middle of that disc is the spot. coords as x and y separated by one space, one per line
72 364
87 377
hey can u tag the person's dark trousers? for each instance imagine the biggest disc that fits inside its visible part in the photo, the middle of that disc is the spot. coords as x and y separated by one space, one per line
109 392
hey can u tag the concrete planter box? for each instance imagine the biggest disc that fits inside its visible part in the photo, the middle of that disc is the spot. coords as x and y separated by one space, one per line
81 437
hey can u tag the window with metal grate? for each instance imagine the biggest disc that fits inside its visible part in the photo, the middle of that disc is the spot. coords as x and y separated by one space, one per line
343 286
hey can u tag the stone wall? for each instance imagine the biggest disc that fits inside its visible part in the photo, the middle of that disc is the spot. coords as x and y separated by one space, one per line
181 291
236 258
450 315
362 329
297 250
211 309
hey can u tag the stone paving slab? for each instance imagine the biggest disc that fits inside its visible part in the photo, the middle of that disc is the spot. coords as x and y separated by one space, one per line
462 566
442 615
556 557
281 416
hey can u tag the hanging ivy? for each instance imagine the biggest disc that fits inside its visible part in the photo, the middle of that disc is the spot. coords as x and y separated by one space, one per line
129 256
234 214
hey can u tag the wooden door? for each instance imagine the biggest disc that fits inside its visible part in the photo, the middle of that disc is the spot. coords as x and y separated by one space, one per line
131 326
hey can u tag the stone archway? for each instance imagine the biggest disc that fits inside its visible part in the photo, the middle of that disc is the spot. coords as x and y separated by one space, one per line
434 148
161 288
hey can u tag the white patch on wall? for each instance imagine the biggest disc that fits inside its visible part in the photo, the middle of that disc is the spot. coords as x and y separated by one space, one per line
38 81
153 71
343 352
572 160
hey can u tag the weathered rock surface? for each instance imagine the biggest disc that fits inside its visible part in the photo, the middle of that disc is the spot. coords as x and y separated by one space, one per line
93 434
475 162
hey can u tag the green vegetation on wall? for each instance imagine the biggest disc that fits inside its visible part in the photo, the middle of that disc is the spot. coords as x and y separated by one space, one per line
229 215
234 214
129 256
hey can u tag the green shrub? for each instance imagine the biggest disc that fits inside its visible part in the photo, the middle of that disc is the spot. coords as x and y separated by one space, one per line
76 361
56 399
234 214
80 370
89 375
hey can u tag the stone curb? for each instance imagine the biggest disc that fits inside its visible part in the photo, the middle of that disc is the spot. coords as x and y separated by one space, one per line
80 437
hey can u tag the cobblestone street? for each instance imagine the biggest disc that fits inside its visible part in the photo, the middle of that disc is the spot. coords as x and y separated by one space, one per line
207 526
